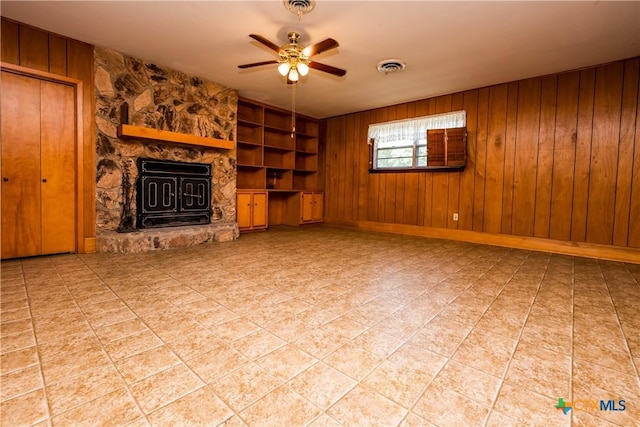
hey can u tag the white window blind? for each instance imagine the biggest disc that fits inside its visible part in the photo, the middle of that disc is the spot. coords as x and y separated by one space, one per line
385 134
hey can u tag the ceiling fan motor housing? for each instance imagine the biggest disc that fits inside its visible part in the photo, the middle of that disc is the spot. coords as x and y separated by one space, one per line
293 53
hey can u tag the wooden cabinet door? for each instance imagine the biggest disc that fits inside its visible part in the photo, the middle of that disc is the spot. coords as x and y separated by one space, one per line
21 210
58 166
318 206
259 218
306 207
38 167
243 209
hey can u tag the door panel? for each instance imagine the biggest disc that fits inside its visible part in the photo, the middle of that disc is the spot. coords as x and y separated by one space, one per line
307 207
318 206
243 210
20 129
259 210
58 168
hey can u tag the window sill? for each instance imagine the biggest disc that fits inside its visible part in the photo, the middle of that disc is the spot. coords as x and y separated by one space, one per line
425 169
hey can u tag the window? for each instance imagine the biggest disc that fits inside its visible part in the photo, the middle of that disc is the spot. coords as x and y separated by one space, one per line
437 141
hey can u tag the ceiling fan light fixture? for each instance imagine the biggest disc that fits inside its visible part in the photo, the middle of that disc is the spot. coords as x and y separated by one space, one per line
293 74
303 69
284 68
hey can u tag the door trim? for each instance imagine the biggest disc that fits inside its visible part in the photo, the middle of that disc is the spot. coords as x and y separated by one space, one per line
79 140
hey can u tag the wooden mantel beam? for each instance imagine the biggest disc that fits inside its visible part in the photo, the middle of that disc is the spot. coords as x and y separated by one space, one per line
130 131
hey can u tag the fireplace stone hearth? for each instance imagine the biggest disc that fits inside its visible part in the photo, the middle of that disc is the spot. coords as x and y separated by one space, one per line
154 239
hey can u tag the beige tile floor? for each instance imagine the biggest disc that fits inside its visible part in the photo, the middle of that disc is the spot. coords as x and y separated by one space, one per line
319 326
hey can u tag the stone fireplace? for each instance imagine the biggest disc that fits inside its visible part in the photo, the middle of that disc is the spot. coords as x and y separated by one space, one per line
158 98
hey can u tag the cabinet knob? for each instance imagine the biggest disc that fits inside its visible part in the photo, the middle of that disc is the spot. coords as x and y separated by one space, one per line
44 179
5 179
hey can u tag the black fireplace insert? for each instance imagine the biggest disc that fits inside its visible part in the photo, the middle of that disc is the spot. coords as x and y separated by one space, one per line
172 193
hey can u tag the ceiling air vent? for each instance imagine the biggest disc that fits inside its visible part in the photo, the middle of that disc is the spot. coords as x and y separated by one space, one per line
391 66
299 7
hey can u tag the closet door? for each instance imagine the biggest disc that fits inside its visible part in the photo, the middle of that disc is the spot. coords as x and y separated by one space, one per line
58 168
21 209
38 166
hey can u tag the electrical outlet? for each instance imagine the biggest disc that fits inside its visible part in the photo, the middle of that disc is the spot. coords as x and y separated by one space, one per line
455 216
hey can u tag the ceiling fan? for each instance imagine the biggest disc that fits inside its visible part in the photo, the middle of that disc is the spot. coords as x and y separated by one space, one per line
295 60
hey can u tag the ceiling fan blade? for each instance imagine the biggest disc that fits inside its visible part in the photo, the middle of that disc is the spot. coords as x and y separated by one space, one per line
265 42
327 68
257 64
318 48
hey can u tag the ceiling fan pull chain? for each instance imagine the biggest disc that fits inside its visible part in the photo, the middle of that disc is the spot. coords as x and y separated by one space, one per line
293 110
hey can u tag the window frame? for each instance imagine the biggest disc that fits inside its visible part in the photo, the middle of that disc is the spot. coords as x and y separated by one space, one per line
417 129
414 156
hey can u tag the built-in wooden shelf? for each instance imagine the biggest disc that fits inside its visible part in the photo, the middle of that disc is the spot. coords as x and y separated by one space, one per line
130 131
278 163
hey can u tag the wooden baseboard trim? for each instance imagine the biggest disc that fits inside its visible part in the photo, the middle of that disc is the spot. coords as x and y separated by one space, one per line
89 245
588 250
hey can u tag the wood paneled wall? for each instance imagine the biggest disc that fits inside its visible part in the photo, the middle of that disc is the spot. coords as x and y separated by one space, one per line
34 48
553 157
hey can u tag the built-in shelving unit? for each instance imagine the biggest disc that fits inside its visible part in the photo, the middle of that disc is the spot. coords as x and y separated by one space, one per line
275 156
271 155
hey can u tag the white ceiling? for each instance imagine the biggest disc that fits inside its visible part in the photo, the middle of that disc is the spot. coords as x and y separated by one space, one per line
448 46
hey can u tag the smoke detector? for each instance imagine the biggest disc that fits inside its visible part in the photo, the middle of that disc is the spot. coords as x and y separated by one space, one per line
299 7
391 66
